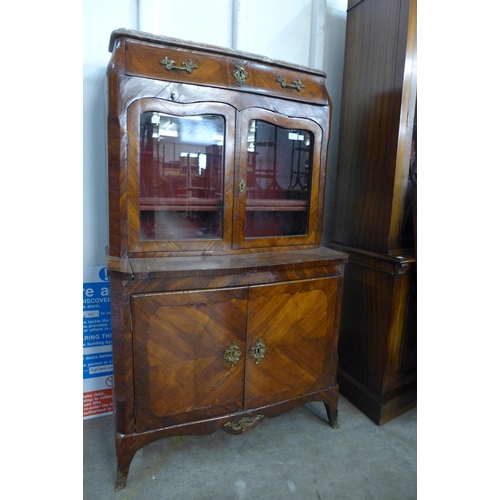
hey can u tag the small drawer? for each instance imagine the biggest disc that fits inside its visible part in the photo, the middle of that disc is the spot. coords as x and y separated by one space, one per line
277 81
177 64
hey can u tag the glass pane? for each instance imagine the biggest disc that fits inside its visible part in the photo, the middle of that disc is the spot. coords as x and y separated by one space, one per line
278 180
181 176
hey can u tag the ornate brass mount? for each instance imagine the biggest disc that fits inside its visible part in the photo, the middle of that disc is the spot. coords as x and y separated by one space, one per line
257 351
232 353
188 65
244 424
240 74
296 84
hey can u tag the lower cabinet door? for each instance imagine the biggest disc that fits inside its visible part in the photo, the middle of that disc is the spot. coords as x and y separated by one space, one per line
189 355
291 348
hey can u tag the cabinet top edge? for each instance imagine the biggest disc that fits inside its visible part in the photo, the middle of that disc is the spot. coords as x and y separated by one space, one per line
396 257
211 263
177 42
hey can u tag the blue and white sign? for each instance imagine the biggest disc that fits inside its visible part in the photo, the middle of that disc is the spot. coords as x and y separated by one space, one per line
97 351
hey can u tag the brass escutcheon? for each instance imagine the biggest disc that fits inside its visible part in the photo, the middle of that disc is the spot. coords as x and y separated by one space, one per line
188 65
244 424
296 84
240 74
232 353
257 351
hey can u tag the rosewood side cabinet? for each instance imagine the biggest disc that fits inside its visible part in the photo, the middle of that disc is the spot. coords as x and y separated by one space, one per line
374 212
225 308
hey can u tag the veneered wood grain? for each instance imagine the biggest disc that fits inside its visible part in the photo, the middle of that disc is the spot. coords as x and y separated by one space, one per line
135 244
378 100
135 74
178 305
295 321
179 342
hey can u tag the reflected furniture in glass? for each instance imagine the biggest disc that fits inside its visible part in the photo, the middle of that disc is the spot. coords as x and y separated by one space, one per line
225 308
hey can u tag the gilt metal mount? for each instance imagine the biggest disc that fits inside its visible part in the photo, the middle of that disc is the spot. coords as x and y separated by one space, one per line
245 423
232 353
240 74
257 351
169 65
296 84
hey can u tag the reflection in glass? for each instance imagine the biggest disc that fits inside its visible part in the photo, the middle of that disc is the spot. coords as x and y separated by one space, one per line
278 180
181 172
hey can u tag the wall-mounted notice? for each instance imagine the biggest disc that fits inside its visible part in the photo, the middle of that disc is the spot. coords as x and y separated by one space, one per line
97 354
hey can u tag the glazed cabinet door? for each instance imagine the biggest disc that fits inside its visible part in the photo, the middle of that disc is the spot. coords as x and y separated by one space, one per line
180 176
187 350
291 344
277 180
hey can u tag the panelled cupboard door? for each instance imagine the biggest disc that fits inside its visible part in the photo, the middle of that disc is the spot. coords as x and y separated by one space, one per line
188 192
180 176
184 355
277 181
291 349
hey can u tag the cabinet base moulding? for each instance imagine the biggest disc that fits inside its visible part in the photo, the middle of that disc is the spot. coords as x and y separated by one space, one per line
127 445
379 409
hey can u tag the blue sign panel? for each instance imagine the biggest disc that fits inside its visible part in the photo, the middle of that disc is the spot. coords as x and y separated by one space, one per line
97 357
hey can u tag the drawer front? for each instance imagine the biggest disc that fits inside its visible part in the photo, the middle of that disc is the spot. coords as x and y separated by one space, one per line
285 83
173 64
189 66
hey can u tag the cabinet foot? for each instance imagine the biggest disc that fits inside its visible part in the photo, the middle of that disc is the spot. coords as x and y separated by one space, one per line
121 478
126 448
333 416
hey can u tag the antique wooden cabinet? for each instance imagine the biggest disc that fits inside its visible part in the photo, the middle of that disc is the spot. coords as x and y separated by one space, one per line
372 214
225 309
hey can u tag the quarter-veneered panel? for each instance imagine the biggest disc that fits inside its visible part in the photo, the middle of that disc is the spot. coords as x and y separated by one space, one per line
179 345
294 322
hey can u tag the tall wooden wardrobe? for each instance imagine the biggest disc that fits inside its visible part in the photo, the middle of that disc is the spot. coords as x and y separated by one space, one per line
375 207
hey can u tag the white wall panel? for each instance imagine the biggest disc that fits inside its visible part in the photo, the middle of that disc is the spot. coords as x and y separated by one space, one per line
100 18
207 21
281 29
335 28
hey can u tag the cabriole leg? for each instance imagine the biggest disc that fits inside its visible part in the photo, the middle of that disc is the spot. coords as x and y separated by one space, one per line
121 478
333 416
125 450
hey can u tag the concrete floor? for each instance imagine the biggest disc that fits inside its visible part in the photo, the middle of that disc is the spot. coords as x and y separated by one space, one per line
294 456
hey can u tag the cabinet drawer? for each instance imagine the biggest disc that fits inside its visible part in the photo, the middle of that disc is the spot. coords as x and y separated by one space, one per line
146 61
190 66
285 83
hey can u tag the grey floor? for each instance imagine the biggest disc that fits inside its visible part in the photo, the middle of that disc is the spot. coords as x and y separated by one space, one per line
294 456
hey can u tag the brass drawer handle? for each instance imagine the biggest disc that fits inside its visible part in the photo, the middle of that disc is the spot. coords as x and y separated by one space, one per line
296 84
188 65
232 353
257 351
